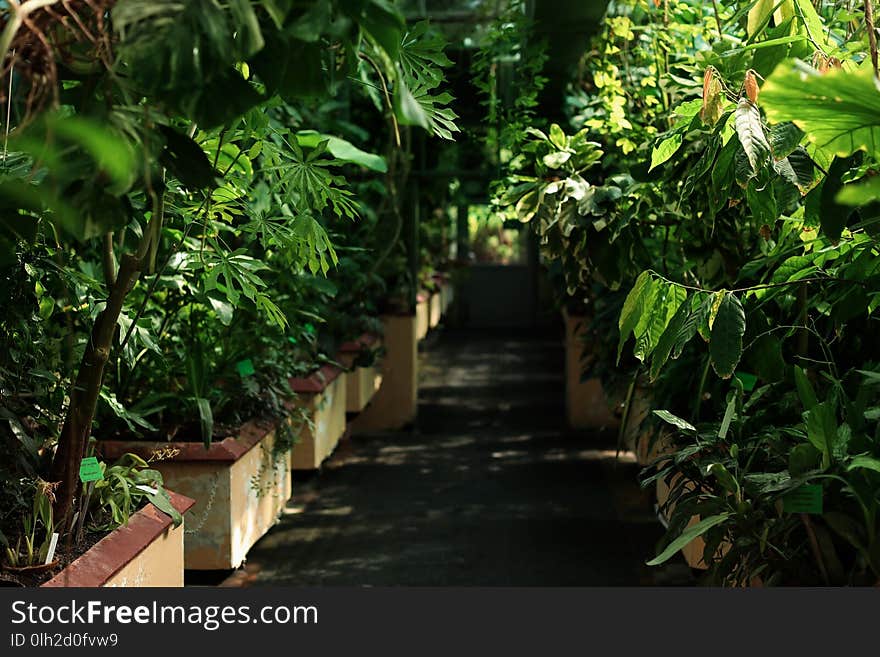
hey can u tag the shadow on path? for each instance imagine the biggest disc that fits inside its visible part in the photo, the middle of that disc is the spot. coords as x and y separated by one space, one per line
488 489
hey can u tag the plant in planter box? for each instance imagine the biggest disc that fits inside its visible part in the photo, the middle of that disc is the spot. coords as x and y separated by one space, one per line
139 176
785 487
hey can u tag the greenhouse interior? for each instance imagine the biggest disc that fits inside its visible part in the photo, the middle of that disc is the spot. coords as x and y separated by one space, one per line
439 293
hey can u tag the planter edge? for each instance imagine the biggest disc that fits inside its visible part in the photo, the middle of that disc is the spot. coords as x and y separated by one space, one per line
120 547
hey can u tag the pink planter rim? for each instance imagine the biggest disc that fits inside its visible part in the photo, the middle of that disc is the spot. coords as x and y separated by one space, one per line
229 449
317 381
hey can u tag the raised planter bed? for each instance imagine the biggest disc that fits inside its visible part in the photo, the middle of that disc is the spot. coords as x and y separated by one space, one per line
361 383
423 315
239 483
323 396
395 403
447 296
586 403
435 310
146 552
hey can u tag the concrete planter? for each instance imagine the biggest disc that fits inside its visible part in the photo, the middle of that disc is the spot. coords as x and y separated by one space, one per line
447 295
586 403
147 552
394 405
361 383
423 315
240 486
323 396
435 310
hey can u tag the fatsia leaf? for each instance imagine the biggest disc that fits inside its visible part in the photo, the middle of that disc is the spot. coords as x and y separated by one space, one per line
751 135
839 110
688 535
725 343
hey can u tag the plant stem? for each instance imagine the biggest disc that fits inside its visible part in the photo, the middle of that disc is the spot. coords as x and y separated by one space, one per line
814 546
85 391
872 34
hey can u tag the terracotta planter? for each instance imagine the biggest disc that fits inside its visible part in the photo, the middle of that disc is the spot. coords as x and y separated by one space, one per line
395 403
147 552
361 383
323 396
423 315
586 403
239 484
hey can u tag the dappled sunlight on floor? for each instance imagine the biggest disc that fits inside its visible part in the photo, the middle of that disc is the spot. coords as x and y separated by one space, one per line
488 488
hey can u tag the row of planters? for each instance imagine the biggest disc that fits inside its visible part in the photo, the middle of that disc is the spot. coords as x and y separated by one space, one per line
199 283
711 219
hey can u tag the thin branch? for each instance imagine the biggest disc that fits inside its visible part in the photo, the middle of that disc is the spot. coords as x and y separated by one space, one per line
872 34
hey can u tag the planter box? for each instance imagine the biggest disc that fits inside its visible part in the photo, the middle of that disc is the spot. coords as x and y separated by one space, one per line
239 486
147 552
361 383
586 404
423 315
447 295
395 404
323 396
435 310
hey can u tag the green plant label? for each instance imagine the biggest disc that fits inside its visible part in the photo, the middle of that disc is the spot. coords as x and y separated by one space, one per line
291 339
90 470
806 499
748 380
245 367
309 328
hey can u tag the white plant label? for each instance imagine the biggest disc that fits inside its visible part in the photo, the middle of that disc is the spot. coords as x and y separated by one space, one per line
53 543
147 489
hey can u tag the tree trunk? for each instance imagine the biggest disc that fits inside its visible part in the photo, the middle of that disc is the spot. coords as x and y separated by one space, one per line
84 395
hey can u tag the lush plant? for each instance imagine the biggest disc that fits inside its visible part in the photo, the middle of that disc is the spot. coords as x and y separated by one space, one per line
737 174
158 172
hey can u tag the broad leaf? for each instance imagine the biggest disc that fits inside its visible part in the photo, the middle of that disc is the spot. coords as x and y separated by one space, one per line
725 343
687 536
751 135
838 110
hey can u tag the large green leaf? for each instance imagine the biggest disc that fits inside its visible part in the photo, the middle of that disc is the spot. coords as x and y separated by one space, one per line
821 424
665 149
688 535
633 307
751 135
725 343
342 150
838 110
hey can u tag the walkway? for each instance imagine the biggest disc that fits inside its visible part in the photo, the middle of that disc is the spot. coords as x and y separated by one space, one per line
487 490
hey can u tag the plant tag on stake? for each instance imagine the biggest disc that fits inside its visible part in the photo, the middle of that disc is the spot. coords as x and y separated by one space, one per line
90 470
245 368
806 499
53 543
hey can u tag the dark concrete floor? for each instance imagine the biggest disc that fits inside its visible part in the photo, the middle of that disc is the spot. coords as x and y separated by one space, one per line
488 489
